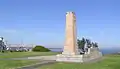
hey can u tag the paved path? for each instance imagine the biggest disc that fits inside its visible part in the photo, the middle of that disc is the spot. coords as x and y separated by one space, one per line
37 65
32 58
52 57
14 59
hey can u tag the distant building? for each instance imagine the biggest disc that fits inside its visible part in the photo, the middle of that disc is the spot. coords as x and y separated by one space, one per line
19 47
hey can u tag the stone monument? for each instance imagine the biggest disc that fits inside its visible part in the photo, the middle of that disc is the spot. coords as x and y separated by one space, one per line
70 47
70 52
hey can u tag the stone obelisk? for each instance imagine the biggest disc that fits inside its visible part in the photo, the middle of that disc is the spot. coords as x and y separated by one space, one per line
70 52
70 47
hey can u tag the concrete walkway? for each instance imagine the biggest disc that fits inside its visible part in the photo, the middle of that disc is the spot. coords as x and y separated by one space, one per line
32 58
37 65
52 57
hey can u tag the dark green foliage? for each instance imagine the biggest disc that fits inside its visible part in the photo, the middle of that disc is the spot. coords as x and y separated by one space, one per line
96 44
40 49
89 44
2 46
81 43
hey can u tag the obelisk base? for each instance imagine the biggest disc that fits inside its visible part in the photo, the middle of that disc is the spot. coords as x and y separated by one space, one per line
70 53
79 58
69 58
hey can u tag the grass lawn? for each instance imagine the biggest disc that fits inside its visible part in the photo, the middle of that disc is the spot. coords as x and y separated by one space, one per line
109 62
25 54
9 64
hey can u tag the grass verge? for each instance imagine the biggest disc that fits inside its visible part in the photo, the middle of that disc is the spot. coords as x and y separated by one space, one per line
10 64
25 54
109 62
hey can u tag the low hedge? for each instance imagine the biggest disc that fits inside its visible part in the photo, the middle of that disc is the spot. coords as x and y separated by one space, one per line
40 49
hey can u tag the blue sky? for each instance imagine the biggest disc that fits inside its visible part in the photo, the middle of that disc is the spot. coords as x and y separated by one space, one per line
43 21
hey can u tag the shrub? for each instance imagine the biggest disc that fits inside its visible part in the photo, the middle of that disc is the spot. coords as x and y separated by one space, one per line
40 49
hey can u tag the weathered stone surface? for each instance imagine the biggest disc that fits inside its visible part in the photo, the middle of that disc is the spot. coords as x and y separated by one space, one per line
96 55
70 52
69 58
71 35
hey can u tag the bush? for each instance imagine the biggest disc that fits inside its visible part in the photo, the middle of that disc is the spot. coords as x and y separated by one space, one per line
40 49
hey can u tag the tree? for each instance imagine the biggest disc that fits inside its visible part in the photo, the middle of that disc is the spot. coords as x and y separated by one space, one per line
81 43
96 44
2 45
40 49
93 44
89 44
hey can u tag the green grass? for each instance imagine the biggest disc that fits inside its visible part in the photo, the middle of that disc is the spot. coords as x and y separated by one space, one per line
24 54
109 62
9 64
